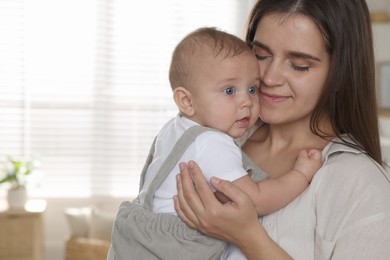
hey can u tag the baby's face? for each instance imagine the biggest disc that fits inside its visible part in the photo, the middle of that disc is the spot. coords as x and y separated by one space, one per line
225 93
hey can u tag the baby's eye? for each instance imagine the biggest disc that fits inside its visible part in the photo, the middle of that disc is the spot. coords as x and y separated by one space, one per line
229 91
252 90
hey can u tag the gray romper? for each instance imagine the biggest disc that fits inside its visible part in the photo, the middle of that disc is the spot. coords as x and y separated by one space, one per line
138 233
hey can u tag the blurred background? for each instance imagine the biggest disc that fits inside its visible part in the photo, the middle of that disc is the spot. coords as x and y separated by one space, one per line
84 89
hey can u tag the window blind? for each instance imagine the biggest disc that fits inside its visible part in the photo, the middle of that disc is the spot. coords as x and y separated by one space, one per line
84 84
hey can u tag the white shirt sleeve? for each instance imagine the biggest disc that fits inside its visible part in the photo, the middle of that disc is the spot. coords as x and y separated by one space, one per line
218 155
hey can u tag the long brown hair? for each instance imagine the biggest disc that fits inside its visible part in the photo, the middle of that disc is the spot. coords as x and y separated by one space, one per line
349 97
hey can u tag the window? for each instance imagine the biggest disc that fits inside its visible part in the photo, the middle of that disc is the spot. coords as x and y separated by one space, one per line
84 84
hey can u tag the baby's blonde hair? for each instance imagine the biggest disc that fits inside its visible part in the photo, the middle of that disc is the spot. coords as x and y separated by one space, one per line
205 40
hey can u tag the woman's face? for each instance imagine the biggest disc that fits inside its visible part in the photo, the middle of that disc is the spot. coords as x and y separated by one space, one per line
293 67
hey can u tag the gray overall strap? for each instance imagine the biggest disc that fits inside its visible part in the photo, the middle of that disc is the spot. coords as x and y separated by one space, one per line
149 160
171 161
251 168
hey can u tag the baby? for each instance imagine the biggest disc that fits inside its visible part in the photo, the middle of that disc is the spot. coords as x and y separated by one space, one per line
215 81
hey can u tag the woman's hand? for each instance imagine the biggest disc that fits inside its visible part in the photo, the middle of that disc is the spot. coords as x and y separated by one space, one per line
235 221
198 207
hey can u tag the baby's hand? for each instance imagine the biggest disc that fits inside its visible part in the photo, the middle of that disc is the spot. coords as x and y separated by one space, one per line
308 162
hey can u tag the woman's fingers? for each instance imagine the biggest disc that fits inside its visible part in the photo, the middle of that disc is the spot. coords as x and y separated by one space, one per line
235 194
189 186
197 206
181 213
187 198
206 195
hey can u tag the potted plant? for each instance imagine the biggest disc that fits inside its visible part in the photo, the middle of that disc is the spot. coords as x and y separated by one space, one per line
15 172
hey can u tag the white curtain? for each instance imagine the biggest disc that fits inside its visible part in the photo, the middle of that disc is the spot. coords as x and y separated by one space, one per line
84 84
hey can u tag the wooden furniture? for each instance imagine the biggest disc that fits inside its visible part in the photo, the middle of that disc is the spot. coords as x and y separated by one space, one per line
21 231
384 112
78 248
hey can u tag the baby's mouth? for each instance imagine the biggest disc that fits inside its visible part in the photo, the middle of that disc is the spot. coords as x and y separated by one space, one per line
243 122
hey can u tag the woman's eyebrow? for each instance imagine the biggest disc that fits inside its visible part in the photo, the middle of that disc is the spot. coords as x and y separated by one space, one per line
261 45
303 55
296 54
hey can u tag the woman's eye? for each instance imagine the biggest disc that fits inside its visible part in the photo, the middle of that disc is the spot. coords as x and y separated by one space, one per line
252 90
299 68
229 91
260 53
259 57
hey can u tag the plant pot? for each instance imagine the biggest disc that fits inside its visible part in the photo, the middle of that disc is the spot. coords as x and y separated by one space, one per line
17 198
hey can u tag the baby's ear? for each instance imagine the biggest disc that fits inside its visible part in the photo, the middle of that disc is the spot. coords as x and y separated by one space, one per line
183 100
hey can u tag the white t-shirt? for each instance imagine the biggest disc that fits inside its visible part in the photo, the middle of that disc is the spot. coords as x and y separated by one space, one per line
343 214
216 153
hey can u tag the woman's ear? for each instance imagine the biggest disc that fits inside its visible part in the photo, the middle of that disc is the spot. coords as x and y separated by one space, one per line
183 100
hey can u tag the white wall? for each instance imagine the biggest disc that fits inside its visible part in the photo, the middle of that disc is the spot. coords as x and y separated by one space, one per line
382 54
381 33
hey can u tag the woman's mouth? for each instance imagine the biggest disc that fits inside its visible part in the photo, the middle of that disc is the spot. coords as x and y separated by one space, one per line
272 98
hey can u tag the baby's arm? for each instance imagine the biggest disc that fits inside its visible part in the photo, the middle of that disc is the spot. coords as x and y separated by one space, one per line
272 194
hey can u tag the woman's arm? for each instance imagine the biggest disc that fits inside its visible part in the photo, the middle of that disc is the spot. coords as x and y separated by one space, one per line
235 221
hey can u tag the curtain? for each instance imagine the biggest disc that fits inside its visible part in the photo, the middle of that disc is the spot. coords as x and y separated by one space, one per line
84 85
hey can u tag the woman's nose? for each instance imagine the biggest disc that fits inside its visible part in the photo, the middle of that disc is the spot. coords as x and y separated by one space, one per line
272 74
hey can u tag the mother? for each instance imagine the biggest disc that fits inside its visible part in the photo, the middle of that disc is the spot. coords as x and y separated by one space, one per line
317 90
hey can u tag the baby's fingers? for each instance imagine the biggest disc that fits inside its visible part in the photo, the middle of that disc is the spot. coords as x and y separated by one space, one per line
315 154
